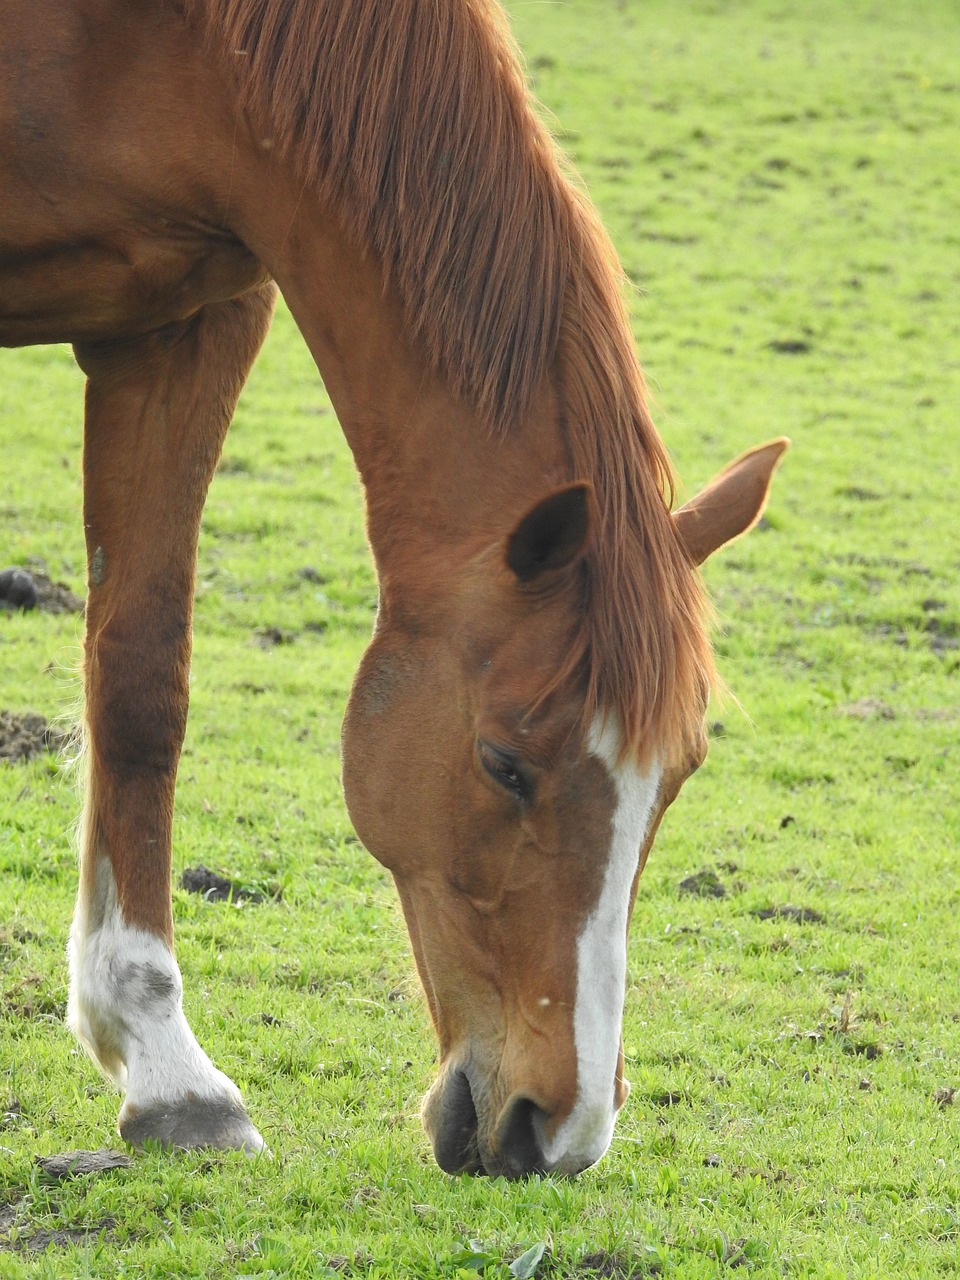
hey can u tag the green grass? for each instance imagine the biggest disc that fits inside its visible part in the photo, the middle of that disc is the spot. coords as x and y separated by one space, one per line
772 175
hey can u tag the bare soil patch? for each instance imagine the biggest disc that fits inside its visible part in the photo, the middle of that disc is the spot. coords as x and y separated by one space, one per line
26 1241
25 734
703 884
271 637
26 589
214 888
800 915
868 709
609 1267
789 346
73 1164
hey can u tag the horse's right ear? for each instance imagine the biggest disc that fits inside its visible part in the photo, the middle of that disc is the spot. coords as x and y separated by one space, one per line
552 534
731 503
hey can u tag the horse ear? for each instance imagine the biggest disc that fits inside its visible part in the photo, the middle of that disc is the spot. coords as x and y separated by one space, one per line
552 534
731 503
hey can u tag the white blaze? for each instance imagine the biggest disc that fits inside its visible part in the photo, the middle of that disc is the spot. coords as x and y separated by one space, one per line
602 967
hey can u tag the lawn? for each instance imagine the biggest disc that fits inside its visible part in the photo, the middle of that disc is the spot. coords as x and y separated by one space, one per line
781 183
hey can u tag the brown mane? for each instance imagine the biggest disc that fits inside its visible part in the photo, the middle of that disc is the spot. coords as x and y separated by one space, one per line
413 119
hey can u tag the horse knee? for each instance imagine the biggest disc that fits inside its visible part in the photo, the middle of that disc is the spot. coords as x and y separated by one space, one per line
136 701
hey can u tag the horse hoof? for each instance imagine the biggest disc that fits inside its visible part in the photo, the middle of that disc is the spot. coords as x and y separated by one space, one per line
191 1124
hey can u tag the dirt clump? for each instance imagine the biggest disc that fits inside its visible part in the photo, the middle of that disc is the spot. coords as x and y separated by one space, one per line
27 589
27 1241
214 888
72 1164
703 884
800 915
25 734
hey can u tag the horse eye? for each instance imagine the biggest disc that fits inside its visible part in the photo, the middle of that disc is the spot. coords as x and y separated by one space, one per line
505 769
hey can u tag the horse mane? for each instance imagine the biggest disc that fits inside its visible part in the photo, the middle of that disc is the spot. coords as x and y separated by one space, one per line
413 120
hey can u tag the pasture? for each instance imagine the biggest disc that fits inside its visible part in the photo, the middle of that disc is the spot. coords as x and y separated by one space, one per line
782 188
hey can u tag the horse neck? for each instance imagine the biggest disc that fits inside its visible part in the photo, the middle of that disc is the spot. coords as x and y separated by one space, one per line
435 477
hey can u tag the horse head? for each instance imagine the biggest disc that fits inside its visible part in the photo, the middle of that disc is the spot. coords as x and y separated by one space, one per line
515 831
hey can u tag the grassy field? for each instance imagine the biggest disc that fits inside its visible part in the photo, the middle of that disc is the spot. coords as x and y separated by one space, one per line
781 182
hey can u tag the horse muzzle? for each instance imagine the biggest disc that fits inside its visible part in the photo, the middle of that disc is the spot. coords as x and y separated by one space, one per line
512 1146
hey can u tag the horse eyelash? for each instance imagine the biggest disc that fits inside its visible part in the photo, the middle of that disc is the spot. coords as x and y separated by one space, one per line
503 768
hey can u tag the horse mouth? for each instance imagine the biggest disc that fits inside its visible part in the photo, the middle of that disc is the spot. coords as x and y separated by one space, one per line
451 1119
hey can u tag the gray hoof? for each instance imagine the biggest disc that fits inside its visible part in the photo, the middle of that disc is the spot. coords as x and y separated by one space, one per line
191 1123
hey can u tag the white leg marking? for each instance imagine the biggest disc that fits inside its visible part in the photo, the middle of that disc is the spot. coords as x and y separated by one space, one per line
126 1008
602 968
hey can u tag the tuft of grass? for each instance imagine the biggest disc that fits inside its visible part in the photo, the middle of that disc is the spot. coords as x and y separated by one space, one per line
780 182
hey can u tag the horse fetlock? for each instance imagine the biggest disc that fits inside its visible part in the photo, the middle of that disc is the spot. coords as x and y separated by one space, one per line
126 1009
97 1035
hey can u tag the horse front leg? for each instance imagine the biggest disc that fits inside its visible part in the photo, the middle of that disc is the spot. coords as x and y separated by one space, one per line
157 410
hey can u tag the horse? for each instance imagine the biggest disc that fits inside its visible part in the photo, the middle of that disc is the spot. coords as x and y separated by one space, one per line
534 691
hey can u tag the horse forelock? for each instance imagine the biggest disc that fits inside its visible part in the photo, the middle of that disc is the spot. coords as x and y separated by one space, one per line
413 121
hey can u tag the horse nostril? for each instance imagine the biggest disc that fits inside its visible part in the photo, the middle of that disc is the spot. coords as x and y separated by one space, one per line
455 1142
519 1146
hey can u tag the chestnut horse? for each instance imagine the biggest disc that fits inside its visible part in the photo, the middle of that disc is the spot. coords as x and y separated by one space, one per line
534 692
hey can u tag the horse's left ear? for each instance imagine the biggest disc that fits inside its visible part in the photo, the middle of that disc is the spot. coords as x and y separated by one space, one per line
552 534
731 503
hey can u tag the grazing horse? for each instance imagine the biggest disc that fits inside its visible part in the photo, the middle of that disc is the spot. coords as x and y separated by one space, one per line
534 692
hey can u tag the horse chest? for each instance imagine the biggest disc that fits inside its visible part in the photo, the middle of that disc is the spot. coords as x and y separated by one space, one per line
96 285
110 173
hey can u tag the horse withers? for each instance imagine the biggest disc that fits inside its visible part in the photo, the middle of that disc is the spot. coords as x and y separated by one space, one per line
534 693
